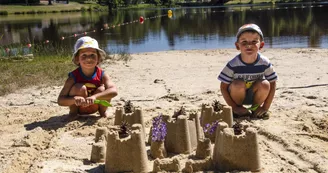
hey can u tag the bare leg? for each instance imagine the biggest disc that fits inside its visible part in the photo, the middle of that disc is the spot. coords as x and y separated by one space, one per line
261 91
238 91
102 109
77 90
238 94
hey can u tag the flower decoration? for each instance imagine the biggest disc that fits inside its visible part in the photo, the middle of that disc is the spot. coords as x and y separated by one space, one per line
210 128
159 129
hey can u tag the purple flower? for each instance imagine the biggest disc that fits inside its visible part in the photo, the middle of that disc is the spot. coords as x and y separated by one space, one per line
159 129
210 128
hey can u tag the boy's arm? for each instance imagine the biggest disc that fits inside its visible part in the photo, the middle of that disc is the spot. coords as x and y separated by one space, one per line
268 101
110 89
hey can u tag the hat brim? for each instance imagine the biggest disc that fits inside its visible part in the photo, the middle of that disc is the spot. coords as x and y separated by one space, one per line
249 29
102 55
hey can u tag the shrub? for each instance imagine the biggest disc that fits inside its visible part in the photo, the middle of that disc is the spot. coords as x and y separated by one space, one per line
3 12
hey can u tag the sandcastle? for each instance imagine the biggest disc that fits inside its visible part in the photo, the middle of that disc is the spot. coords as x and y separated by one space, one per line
209 116
182 133
236 152
164 165
126 154
98 152
203 158
135 117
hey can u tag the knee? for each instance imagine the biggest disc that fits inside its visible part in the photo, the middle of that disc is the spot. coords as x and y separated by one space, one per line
263 85
238 85
79 89
101 88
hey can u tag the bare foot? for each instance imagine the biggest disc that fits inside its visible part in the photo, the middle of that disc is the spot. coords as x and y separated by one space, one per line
105 115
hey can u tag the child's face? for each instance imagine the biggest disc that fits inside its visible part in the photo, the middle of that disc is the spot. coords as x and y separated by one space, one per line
88 57
249 43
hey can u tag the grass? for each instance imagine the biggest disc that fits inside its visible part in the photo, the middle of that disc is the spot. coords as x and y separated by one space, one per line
45 8
235 2
43 71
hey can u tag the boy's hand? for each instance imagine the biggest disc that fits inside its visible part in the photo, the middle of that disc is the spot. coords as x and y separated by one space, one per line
260 111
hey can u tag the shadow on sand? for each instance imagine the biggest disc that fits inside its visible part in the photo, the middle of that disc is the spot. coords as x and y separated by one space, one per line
56 122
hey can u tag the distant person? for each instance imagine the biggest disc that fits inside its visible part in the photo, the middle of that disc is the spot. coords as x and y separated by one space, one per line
249 78
87 82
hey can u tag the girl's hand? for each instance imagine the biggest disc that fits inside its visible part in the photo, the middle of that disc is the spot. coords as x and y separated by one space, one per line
79 101
90 100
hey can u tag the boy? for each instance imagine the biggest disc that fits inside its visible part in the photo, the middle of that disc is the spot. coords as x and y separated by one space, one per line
249 78
88 82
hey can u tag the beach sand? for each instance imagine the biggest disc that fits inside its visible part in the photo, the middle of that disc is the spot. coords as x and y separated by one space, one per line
35 138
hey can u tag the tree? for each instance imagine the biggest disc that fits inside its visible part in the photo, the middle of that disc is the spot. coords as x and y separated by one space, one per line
49 2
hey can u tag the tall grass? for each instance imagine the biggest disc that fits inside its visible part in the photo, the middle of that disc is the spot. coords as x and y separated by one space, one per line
49 67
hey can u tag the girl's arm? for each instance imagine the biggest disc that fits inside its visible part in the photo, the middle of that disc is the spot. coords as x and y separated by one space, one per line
110 89
64 99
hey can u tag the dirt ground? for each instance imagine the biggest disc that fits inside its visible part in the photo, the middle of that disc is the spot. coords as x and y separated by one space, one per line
36 138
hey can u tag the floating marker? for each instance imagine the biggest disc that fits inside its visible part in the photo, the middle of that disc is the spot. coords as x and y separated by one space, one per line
141 19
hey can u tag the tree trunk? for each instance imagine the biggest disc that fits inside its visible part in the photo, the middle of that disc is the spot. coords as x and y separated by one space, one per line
49 2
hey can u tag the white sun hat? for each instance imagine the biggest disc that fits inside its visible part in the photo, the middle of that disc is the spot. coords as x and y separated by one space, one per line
249 27
87 42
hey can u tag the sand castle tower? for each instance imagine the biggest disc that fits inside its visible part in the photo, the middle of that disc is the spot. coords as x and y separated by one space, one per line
131 115
126 154
203 158
236 152
183 132
98 152
213 113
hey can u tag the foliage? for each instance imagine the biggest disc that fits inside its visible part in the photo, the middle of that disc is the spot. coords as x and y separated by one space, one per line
210 128
238 128
217 106
159 129
181 111
125 129
128 107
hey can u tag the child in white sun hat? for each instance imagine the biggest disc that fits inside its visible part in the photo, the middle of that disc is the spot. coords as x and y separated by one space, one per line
87 82
249 78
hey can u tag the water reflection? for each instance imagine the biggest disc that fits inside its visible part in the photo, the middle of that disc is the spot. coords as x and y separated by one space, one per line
301 25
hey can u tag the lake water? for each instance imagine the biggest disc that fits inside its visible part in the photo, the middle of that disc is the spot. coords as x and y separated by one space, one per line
287 26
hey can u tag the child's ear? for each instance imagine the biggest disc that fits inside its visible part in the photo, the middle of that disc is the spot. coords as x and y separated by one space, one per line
261 45
237 46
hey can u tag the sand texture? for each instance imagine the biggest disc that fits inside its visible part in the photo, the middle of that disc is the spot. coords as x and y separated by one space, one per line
34 136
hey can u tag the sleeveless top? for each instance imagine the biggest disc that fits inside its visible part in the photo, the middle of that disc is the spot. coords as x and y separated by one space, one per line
92 83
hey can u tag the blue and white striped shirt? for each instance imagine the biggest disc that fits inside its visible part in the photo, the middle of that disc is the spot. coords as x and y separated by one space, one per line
236 69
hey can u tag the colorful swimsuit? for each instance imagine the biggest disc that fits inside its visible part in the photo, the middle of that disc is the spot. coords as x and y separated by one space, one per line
92 83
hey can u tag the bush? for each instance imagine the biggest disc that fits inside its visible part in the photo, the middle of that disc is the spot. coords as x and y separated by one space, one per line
3 12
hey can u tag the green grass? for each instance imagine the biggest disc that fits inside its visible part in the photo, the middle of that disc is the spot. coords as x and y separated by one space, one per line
43 70
45 8
235 2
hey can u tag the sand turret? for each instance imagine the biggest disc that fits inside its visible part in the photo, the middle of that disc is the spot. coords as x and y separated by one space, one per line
182 133
209 116
236 152
126 154
134 117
